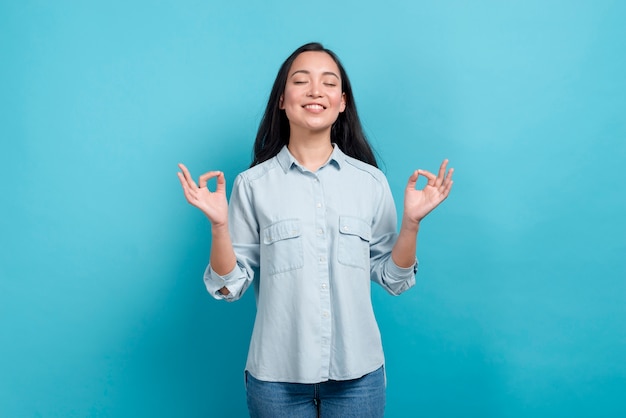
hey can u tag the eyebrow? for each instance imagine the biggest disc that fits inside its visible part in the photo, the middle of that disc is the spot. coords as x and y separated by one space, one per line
308 72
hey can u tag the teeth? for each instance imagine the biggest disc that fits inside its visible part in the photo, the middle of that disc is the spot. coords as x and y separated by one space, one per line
314 106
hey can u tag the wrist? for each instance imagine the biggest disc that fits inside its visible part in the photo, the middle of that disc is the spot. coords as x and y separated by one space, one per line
410 225
219 228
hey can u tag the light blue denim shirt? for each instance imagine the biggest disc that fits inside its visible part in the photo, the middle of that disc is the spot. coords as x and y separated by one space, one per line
311 242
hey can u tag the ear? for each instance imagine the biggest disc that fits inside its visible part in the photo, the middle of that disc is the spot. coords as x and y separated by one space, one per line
342 106
280 102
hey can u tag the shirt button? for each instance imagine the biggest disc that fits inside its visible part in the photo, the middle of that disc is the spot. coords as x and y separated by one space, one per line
320 231
325 314
319 205
324 286
345 228
322 259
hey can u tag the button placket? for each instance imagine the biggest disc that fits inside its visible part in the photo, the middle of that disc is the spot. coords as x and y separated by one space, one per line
321 247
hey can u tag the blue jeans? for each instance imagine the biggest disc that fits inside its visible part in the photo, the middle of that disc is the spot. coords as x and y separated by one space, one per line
358 398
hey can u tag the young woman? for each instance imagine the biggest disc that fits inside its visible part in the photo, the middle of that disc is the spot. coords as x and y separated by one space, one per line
311 224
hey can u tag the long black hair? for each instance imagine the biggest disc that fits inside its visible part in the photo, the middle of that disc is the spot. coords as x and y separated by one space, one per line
346 132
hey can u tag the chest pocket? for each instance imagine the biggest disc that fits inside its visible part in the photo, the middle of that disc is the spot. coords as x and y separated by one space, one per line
353 247
282 246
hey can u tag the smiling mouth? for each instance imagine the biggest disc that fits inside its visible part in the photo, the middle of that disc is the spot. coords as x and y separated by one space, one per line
314 107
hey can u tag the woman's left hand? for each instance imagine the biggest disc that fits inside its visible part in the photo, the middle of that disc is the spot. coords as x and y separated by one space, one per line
419 203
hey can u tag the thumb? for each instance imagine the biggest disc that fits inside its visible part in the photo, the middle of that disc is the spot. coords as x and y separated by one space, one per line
412 180
221 182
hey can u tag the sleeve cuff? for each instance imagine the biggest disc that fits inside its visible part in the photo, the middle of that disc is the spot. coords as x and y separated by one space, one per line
402 272
214 282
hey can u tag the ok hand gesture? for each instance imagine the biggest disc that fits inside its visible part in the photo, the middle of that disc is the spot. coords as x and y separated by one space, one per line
213 204
419 203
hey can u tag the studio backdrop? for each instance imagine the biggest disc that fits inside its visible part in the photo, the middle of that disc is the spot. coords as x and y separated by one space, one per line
520 304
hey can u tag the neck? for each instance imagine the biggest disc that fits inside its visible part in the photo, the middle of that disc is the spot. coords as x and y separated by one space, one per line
311 151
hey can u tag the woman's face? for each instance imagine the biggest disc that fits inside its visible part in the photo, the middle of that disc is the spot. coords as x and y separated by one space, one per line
313 98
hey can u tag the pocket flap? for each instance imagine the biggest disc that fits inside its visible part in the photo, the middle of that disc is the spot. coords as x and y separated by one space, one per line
354 226
281 230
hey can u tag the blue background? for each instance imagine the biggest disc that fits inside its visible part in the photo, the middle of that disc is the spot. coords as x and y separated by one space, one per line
520 306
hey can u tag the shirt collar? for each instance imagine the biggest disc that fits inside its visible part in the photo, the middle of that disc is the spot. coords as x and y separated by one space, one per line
286 160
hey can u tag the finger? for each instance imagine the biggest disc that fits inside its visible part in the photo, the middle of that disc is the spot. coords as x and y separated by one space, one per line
430 176
181 178
206 177
447 184
187 191
187 175
447 188
183 181
449 176
412 181
442 172
221 182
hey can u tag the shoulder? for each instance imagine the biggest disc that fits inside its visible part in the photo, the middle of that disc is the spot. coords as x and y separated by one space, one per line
258 171
365 169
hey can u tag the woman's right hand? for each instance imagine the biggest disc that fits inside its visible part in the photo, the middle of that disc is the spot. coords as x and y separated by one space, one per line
213 204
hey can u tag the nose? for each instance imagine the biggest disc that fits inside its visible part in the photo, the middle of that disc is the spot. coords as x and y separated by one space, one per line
314 89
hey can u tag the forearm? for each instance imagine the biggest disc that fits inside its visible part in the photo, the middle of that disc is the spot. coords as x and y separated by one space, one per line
223 259
403 252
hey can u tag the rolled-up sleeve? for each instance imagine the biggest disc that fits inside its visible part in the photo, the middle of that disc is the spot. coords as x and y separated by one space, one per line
383 269
244 234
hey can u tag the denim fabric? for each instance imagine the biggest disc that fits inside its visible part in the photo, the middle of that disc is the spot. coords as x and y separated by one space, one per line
311 243
357 398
